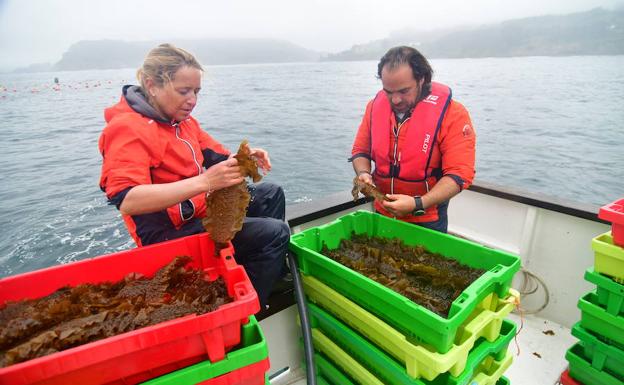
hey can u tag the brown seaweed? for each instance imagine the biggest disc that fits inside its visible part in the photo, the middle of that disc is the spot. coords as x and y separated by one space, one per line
428 279
74 316
368 190
226 208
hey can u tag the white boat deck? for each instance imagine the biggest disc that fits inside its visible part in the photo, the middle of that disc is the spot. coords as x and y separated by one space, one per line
540 362
542 356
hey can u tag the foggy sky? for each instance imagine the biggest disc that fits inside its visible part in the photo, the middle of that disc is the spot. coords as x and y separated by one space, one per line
36 31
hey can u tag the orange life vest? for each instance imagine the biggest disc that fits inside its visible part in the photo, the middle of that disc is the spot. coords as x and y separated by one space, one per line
402 162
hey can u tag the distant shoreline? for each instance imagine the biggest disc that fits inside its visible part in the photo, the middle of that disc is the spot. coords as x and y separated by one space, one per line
22 71
598 32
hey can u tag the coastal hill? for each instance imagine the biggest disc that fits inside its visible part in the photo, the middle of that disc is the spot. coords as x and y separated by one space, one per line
595 32
111 54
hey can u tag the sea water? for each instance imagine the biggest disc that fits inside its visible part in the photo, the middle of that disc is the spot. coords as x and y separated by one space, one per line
551 125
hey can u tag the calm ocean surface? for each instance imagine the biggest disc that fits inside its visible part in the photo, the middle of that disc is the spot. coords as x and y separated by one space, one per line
546 125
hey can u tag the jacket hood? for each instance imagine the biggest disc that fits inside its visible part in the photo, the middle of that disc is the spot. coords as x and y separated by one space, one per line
133 100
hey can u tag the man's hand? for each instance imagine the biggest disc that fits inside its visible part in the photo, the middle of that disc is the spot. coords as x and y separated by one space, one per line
366 177
399 205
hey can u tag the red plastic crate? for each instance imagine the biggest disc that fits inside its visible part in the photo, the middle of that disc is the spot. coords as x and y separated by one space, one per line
614 213
147 352
567 380
254 374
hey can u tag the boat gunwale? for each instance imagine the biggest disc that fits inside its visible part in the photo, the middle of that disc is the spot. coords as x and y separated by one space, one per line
300 213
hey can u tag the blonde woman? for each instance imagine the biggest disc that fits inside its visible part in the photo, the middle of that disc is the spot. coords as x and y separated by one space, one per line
158 165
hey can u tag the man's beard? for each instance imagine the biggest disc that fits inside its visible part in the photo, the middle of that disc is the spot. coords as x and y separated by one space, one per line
408 109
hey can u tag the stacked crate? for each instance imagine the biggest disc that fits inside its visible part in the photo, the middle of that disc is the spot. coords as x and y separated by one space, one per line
246 365
365 333
225 346
598 358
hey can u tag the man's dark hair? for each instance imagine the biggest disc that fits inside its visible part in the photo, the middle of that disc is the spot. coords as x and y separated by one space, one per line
406 55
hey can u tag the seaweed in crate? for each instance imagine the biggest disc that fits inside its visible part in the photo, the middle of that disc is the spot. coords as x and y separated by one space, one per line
429 279
72 316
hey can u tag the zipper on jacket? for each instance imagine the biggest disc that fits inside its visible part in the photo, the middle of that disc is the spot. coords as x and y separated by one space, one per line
177 133
395 160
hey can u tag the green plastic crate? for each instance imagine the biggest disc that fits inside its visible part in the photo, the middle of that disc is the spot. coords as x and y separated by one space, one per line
503 381
603 357
329 373
253 349
361 371
596 319
343 360
322 381
413 320
582 370
610 293
418 360
608 257
391 371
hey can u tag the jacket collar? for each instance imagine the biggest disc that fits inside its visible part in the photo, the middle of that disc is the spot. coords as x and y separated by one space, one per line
138 102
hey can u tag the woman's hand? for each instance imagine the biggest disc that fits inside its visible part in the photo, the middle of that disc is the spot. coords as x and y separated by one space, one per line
399 205
223 174
262 158
150 198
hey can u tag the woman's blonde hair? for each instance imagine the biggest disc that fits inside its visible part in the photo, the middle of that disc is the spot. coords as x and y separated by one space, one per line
161 64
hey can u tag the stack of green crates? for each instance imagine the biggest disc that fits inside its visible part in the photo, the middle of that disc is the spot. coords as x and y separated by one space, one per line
598 358
328 374
370 334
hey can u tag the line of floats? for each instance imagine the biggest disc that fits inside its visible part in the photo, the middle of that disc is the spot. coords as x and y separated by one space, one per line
56 86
